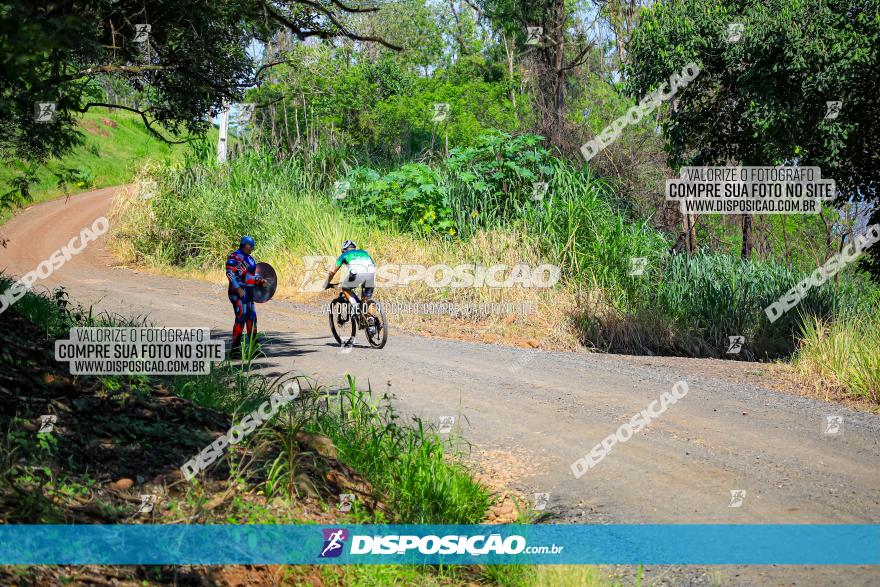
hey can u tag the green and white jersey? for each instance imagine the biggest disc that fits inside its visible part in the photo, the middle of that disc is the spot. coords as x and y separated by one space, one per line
358 261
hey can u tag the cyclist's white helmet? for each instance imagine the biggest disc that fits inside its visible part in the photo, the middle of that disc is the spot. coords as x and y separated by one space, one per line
348 245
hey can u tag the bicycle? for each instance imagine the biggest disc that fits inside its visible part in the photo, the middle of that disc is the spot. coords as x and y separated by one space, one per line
369 315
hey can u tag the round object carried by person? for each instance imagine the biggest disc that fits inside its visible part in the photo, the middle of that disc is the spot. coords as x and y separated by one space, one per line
263 293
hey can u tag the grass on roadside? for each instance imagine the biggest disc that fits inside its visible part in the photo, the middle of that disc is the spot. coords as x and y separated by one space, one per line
406 463
843 355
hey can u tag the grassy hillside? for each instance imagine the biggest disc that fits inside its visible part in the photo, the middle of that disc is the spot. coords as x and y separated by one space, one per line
115 145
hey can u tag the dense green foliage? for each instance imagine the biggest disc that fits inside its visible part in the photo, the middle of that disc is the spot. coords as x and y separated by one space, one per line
762 100
483 186
383 110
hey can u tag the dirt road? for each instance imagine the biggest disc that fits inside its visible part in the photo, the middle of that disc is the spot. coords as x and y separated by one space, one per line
531 414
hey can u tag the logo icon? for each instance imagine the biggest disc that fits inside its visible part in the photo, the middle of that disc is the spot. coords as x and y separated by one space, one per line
345 502
441 111
832 109
534 35
734 32
735 344
292 389
833 425
333 542
340 189
245 112
147 503
314 272
446 423
539 188
737 496
47 423
45 111
637 265
142 33
521 361
541 501
148 188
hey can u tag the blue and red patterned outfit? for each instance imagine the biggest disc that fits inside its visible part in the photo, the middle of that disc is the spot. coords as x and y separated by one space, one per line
241 272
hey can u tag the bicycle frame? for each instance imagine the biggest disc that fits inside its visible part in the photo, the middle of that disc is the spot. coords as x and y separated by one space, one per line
373 323
349 295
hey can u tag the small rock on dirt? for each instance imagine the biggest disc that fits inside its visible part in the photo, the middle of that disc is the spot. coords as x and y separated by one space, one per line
123 484
318 443
305 486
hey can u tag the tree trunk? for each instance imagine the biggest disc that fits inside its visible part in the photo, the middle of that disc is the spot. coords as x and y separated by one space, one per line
747 237
510 71
550 74
691 233
558 128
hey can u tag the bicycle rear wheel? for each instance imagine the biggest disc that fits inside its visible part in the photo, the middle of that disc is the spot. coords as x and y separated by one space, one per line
377 325
342 321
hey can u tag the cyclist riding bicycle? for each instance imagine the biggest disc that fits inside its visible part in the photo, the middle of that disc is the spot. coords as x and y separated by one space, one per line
370 316
361 271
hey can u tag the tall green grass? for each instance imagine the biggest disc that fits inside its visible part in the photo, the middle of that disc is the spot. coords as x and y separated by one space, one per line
406 463
580 229
843 355
202 209
713 296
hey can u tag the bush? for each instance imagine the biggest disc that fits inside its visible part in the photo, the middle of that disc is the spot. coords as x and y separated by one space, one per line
411 198
485 186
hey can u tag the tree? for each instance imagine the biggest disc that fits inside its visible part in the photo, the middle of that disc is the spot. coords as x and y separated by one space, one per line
621 18
560 49
762 100
188 56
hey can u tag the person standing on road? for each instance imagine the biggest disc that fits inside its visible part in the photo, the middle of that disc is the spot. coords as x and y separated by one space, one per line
241 273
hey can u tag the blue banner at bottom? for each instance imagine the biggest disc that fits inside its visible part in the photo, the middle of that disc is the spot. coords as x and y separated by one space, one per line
680 544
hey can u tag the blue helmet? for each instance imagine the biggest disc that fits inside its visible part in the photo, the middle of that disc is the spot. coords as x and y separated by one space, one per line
247 240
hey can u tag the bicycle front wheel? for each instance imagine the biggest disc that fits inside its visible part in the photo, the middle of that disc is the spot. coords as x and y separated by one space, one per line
342 321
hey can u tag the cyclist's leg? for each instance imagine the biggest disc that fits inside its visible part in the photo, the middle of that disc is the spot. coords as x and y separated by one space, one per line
349 296
348 286
367 288
351 311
